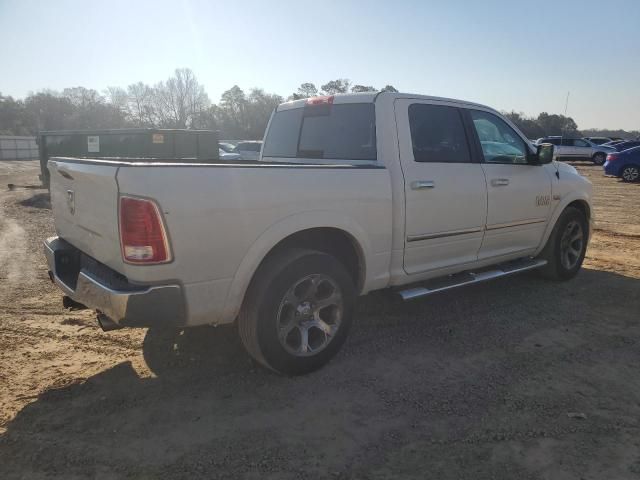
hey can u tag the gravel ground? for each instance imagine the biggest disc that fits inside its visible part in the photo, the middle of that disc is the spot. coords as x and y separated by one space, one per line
519 378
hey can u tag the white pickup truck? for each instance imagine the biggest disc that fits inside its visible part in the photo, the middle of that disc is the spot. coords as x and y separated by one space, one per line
352 193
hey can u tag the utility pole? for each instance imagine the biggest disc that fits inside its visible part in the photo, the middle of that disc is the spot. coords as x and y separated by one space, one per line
564 124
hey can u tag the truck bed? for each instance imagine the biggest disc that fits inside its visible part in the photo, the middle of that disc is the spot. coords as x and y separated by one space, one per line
221 218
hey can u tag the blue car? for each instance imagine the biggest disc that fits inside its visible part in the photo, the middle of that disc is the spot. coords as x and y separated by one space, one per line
625 164
622 146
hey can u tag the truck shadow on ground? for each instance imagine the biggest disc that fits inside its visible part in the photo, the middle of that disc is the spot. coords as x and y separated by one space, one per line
39 200
451 367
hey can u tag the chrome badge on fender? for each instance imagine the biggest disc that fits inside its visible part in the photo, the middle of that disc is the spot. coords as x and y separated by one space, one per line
542 200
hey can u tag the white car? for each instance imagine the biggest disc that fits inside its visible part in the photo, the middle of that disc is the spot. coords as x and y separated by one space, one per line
353 193
578 149
248 150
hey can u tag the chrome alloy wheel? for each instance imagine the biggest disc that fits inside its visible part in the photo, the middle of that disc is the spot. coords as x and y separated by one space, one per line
571 244
309 315
631 174
599 158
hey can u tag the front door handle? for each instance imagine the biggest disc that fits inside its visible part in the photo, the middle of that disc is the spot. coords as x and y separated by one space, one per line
499 182
421 184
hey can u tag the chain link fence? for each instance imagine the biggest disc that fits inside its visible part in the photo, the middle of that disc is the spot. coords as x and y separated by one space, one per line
18 148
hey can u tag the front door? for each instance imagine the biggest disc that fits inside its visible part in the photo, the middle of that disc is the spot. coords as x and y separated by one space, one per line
445 190
519 193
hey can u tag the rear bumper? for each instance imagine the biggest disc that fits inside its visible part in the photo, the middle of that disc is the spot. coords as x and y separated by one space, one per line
98 287
611 169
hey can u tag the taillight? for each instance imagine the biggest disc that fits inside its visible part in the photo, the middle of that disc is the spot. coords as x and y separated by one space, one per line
142 235
322 100
612 157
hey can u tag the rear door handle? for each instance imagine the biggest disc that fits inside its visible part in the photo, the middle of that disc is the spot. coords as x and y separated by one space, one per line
422 184
499 182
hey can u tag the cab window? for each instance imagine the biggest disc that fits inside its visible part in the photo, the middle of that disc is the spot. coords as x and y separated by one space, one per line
500 143
437 134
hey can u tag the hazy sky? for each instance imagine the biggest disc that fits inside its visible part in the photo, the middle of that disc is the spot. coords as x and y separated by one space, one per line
511 55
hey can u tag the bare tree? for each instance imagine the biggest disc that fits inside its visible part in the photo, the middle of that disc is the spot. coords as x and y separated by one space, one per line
180 100
140 104
117 97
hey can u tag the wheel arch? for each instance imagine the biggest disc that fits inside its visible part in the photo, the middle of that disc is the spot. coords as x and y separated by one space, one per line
328 232
579 202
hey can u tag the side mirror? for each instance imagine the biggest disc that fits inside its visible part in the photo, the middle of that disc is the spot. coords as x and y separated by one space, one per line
544 154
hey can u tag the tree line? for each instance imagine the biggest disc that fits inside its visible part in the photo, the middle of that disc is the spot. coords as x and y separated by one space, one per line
182 102
552 124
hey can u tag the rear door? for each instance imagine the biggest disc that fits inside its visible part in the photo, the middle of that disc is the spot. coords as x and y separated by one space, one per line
582 148
567 148
445 190
519 194
84 200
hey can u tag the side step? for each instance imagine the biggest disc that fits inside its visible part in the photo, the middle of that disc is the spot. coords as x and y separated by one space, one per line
469 278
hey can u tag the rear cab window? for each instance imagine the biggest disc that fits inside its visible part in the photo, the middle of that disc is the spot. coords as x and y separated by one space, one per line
344 131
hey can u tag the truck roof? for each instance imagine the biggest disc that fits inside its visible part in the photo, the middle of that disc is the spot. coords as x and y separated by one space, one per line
366 97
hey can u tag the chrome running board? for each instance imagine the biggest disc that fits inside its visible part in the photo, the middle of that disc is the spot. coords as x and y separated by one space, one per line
469 278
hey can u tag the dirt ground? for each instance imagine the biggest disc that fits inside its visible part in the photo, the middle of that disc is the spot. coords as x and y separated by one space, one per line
519 378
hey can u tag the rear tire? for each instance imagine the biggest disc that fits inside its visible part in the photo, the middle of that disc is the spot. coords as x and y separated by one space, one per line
630 173
599 158
297 311
566 246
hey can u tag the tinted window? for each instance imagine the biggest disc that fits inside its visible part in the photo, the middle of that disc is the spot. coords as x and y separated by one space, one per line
625 145
346 131
567 142
437 134
500 143
282 138
580 143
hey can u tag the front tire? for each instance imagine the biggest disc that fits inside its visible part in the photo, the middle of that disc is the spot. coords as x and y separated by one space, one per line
599 158
630 173
566 246
298 311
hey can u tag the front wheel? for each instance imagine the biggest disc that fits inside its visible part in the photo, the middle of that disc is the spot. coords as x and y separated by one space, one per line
599 158
567 245
630 173
298 311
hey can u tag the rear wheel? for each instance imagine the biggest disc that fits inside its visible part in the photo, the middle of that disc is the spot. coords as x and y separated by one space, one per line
631 173
567 245
298 311
599 158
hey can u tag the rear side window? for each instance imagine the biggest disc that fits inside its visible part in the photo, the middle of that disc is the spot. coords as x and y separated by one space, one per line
340 132
282 137
437 134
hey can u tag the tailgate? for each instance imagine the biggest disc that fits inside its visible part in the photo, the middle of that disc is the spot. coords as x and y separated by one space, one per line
84 200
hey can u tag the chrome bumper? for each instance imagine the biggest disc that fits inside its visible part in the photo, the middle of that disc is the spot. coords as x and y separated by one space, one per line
127 305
